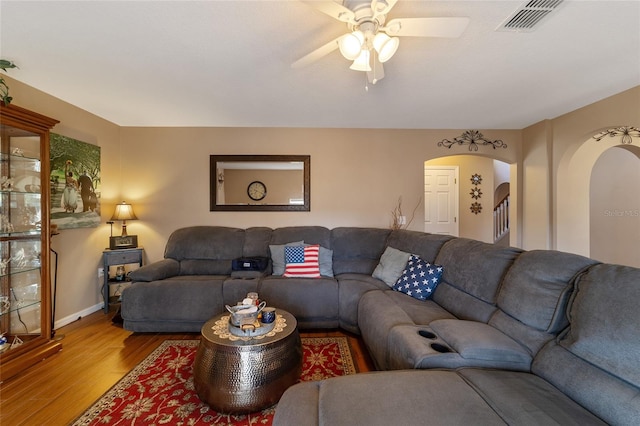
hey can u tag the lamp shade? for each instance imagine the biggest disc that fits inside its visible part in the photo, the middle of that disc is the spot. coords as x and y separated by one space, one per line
362 62
124 211
385 46
351 44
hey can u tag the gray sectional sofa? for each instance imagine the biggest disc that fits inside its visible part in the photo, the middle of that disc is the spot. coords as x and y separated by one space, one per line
508 337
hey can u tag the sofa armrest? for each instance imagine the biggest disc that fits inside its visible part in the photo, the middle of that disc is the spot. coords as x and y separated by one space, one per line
160 270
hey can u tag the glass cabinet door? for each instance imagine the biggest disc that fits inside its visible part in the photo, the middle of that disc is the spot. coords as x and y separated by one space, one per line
20 237
25 292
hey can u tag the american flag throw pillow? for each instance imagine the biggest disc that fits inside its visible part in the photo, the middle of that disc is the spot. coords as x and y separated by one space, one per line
302 261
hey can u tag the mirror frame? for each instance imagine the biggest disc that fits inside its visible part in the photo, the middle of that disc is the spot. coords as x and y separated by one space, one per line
213 183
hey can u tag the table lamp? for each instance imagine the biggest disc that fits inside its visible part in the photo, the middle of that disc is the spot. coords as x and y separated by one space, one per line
123 212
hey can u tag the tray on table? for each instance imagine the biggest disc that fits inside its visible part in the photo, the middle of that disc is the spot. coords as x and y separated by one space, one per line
260 329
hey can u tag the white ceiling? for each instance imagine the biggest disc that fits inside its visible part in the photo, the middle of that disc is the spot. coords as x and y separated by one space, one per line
227 63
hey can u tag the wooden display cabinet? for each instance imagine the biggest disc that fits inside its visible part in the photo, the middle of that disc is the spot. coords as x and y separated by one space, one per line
25 205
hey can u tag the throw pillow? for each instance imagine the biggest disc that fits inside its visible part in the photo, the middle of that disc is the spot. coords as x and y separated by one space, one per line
326 262
419 279
277 256
392 263
302 261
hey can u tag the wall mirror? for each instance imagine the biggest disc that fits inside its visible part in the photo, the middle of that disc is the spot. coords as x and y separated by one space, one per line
260 182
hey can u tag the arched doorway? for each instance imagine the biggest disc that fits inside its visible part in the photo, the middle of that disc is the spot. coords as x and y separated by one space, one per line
573 192
476 202
614 200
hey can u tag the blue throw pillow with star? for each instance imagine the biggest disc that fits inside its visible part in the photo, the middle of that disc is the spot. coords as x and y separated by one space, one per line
419 279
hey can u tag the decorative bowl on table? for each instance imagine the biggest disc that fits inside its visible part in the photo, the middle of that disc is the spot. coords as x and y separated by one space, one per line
245 316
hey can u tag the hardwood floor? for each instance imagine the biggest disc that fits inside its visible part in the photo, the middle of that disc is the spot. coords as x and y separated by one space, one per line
95 354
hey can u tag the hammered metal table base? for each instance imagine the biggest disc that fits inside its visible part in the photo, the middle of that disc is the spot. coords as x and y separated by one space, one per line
240 377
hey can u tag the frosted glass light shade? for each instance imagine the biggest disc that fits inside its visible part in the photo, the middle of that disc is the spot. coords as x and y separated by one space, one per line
385 46
351 44
362 62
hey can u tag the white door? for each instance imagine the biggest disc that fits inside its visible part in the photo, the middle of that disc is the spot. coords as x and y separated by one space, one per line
441 200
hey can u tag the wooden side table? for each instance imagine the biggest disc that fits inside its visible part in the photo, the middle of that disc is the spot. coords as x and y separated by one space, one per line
117 257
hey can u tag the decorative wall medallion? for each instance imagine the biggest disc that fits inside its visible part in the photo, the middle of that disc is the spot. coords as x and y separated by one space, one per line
476 179
476 193
627 133
473 138
476 208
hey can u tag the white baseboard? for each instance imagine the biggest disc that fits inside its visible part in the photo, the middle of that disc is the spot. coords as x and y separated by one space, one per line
74 317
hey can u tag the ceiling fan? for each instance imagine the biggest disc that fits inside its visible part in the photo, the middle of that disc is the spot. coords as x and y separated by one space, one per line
372 40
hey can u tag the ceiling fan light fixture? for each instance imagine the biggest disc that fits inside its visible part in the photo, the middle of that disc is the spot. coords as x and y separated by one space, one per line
351 44
362 61
385 46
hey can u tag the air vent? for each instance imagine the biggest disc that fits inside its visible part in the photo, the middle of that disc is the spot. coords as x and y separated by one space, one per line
529 15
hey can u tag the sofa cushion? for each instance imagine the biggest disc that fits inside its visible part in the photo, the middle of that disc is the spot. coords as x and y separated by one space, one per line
524 399
159 270
302 261
385 398
419 278
357 250
311 301
392 263
604 316
181 298
614 400
256 241
421 312
427 246
475 267
537 287
205 243
477 340
351 287
205 267
308 234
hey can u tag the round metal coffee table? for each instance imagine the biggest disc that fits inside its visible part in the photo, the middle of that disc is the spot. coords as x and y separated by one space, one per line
239 375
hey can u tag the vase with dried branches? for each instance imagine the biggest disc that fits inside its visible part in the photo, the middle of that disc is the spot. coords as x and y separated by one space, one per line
398 219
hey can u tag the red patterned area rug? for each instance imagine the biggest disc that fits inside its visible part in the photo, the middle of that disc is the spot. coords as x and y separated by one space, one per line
160 391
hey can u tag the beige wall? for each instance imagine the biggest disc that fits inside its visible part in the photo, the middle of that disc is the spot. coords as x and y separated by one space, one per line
357 176
558 158
79 250
536 186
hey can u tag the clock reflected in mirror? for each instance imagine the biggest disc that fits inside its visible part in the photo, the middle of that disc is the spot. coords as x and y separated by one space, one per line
257 190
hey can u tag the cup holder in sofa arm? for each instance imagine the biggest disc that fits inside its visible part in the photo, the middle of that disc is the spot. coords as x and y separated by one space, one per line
440 348
427 334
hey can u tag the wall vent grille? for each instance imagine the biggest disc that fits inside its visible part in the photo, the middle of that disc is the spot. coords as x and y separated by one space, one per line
529 15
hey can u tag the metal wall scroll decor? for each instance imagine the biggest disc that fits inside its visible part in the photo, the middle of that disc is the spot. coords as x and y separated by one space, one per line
627 133
473 138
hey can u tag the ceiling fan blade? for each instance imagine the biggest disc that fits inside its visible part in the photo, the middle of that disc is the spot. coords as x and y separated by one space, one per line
382 7
317 54
377 72
427 27
333 9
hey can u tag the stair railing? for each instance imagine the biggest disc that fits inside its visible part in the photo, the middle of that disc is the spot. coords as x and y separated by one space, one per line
501 218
